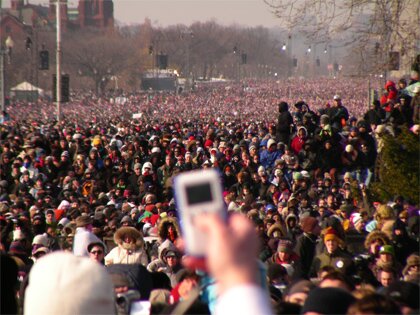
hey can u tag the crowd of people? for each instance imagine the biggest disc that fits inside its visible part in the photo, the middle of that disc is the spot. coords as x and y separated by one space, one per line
89 223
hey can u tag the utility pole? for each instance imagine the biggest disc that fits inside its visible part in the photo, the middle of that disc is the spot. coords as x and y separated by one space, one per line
58 59
2 98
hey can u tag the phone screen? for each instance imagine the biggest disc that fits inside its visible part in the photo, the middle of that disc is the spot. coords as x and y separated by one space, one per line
199 193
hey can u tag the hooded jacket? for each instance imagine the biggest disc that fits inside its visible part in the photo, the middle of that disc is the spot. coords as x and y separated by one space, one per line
127 253
160 264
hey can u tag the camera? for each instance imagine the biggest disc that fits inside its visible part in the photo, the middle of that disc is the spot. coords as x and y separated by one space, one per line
124 300
197 192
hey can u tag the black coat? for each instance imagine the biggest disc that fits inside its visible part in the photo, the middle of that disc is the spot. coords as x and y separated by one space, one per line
284 121
305 248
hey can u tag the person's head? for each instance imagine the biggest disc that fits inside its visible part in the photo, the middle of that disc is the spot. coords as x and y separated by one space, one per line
298 292
284 249
374 303
375 240
386 253
84 221
336 279
331 240
337 100
61 283
96 251
327 301
387 276
172 258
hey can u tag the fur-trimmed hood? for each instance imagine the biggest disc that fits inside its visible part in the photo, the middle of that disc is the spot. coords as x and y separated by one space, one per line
276 227
163 225
376 235
122 232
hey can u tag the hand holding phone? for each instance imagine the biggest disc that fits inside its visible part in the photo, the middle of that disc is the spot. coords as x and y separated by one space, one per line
198 192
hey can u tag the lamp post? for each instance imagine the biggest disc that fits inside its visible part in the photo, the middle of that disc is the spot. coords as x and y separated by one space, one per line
4 52
58 58
242 60
187 34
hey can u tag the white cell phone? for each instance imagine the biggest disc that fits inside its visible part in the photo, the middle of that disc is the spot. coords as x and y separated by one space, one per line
197 192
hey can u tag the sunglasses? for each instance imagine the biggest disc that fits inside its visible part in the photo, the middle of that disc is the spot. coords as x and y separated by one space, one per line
96 252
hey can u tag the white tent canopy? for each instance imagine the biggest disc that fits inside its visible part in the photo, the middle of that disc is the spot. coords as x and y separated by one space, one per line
26 87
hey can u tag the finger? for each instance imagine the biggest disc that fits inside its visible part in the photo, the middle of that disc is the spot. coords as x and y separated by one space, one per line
211 223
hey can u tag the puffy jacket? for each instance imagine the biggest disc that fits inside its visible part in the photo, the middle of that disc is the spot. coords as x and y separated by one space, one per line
124 253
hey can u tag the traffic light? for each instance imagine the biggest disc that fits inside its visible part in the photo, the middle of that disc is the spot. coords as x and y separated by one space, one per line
244 58
295 61
318 62
65 88
44 60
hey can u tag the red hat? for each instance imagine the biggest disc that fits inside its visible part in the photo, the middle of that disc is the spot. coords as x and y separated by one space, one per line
308 224
208 143
331 234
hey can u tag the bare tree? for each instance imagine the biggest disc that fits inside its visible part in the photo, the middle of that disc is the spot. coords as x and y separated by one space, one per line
98 57
379 26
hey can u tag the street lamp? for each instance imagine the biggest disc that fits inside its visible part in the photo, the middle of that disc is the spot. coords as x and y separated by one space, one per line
4 52
309 49
242 60
284 47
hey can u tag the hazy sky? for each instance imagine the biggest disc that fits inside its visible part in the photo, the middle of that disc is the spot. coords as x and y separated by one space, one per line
169 12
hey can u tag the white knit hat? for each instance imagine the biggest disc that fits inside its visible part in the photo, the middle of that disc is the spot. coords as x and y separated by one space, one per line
41 239
61 283
270 143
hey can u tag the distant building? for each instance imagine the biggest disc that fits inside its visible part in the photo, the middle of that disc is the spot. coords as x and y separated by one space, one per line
18 20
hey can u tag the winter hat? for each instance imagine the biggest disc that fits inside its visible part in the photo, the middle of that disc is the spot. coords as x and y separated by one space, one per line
412 260
155 150
371 226
40 239
126 219
305 174
302 286
324 120
284 246
96 141
297 176
270 143
328 301
347 175
54 290
387 249
63 222
331 234
308 224
65 153
261 169
64 205
83 220
137 166
355 218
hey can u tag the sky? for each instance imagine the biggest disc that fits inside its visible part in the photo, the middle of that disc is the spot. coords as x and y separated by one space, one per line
170 12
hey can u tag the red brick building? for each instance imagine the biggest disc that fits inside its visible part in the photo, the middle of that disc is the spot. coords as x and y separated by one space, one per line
19 20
